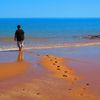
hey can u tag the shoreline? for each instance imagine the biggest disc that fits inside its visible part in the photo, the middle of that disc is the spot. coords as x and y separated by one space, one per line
83 44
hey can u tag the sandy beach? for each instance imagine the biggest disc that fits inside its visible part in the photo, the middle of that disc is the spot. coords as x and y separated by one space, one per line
68 73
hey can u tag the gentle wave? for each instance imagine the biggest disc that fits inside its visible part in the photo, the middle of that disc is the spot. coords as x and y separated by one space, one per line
51 46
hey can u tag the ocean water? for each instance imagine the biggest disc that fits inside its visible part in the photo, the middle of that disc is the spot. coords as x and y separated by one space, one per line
49 32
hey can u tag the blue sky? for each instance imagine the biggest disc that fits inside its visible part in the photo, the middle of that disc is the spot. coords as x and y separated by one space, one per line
49 8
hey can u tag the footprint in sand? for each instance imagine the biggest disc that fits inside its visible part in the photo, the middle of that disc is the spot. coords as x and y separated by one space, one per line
82 94
47 56
84 88
58 68
56 62
65 71
50 59
38 93
87 84
69 89
65 76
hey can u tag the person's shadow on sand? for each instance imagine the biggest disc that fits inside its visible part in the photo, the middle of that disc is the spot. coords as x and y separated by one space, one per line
20 57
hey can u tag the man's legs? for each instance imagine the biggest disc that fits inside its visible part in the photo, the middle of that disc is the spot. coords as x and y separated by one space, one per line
20 45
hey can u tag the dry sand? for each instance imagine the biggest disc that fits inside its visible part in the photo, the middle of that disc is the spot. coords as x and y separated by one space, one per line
54 79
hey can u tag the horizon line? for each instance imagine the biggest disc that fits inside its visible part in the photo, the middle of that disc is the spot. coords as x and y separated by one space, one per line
49 17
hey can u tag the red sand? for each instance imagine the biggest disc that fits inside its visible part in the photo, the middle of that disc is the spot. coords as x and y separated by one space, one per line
57 80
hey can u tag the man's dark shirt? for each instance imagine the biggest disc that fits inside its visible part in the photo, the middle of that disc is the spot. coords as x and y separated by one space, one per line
19 35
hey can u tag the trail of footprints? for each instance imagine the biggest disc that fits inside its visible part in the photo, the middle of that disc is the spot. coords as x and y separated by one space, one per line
56 64
25 91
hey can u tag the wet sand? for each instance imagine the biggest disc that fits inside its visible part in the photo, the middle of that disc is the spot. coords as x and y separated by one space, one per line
45 76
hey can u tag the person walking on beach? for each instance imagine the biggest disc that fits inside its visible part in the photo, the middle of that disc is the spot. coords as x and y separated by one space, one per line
19 37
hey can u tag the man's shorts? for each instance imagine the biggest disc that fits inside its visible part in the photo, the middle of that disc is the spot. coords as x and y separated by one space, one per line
20 44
